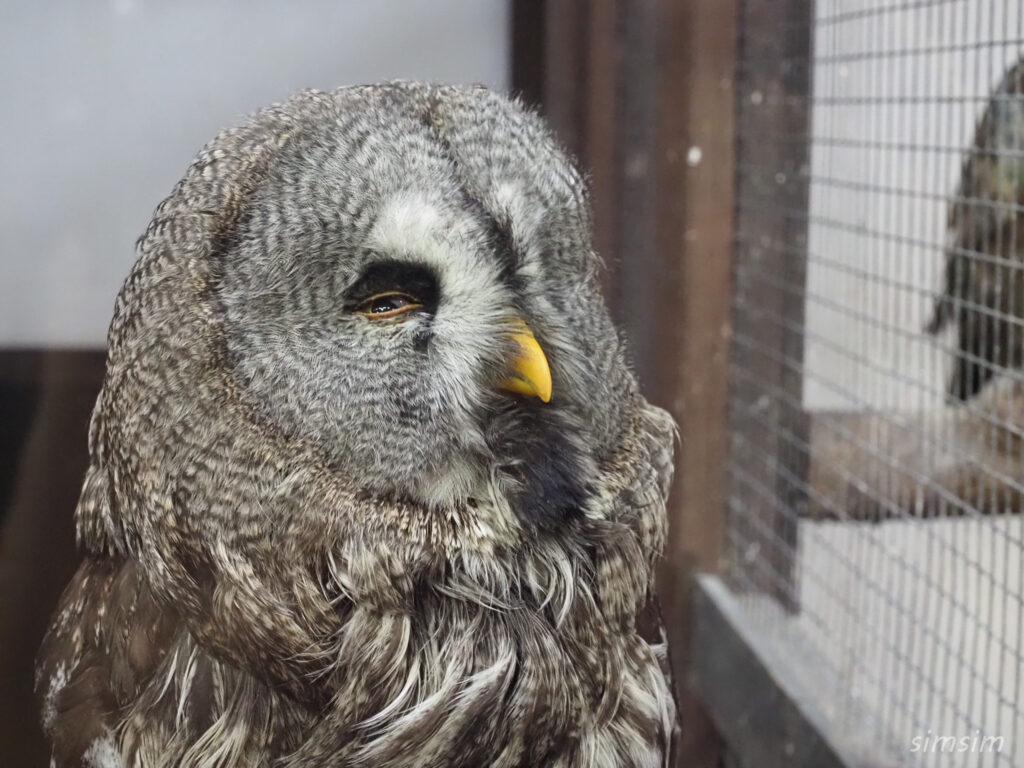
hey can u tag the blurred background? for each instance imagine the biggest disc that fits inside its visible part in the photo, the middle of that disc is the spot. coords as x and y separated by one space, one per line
809 214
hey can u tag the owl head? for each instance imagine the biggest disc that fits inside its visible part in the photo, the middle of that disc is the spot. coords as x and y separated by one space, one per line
412 290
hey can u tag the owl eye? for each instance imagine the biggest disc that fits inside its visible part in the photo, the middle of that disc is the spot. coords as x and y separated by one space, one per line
385 305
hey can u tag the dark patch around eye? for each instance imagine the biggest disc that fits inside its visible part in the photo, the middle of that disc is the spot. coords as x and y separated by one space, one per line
390 276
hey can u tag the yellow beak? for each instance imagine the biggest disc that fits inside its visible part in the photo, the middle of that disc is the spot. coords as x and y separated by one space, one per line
530 373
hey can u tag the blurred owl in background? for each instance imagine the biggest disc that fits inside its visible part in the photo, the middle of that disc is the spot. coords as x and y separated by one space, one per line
983 291
371 483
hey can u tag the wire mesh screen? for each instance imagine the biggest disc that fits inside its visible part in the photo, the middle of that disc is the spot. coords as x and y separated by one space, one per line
876 391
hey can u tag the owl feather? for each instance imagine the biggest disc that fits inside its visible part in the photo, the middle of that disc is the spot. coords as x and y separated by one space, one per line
319 526
983 283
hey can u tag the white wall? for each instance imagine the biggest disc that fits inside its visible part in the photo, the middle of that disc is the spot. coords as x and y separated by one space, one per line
105 103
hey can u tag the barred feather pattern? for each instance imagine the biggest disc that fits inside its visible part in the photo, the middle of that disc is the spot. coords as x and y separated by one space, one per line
240 603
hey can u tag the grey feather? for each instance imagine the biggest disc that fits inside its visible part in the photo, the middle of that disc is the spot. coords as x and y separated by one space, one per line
316 539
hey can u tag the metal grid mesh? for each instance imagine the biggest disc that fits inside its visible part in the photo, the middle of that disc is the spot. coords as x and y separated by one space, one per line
876 392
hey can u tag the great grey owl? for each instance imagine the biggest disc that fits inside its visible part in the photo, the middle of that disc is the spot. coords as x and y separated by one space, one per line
983 290
371 483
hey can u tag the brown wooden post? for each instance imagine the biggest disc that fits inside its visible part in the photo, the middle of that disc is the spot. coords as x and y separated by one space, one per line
564 36
645 99
694 235
529 45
